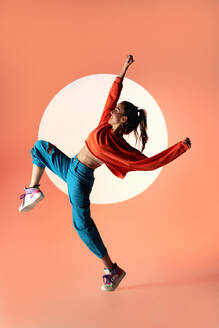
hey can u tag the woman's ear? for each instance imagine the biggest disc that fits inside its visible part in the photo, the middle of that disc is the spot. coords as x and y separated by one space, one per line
124 119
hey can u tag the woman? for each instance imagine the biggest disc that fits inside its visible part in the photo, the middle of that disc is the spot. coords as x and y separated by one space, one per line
104 145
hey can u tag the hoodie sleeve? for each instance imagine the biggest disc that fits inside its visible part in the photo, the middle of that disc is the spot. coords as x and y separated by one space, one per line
140 162
112 99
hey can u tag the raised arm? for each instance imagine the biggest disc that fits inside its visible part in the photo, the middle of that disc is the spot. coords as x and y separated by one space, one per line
115 91
129 60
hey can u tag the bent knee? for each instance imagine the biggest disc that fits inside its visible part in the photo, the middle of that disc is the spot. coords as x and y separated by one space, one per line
47 146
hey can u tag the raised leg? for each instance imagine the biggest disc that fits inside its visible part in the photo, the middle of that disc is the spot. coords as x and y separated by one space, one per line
37 173
44 154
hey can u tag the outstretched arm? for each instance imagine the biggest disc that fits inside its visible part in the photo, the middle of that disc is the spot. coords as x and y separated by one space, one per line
144 163
129 60
115 91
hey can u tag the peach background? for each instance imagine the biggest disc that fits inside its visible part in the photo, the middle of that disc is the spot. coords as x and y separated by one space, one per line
166 238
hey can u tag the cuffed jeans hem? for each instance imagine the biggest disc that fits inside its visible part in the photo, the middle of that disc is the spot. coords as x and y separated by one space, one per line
37 163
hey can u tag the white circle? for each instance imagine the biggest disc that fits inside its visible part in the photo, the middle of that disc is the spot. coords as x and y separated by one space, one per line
75 111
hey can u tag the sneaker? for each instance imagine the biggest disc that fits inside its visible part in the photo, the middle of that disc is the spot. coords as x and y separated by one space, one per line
112 278
31 197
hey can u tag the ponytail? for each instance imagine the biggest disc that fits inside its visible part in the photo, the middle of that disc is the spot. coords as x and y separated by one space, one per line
136 118
143 127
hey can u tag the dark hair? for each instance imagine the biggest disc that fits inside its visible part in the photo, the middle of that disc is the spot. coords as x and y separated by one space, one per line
136 118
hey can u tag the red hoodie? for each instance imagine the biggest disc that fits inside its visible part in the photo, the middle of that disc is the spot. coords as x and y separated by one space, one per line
118 155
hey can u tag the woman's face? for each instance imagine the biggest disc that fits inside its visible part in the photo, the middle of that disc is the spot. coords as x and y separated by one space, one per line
117 115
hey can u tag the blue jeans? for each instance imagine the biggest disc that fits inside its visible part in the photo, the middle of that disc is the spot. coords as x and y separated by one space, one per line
80 180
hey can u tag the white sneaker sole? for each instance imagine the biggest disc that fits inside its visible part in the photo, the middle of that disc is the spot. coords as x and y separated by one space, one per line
29 207
105 289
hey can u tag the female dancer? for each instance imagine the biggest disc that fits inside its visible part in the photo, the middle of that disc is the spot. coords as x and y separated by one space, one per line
104 145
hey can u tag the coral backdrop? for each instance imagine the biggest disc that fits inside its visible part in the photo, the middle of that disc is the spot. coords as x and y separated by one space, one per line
166 238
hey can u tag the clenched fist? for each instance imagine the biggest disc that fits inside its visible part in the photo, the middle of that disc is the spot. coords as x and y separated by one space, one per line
188 142
129 60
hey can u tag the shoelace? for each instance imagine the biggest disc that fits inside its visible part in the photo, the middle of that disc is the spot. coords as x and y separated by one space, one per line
27 191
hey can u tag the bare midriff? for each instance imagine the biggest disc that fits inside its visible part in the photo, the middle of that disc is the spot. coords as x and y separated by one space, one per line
85 157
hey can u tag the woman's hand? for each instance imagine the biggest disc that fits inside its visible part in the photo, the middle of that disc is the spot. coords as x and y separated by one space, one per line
129 60
188 142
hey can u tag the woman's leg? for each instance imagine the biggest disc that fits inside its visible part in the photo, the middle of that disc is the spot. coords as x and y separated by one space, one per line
80 182
37 173
87 230
107 261
44 154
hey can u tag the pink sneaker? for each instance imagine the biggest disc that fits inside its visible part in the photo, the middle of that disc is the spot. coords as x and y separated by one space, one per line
112 278
31 197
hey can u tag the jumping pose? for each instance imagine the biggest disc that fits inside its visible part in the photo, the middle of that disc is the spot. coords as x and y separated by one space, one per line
104 145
